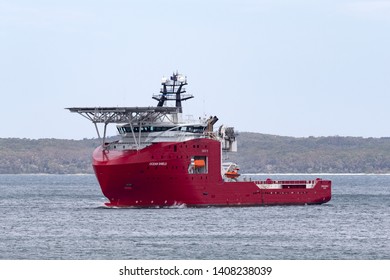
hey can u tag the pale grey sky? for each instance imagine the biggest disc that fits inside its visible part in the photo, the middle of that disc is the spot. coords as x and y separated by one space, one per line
294 68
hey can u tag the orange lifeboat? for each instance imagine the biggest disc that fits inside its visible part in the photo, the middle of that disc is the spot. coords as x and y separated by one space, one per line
199 163
232 174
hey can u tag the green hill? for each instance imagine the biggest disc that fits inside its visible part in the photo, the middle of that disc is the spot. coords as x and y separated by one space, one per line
52 156
278 154
256 153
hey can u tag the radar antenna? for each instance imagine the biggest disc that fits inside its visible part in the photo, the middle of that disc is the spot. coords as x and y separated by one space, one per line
173 90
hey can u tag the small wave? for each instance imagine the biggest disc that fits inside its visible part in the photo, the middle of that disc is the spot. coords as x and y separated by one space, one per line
177 205
103 207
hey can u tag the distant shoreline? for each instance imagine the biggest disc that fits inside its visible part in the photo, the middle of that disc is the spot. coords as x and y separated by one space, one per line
242 175
258 153
319 174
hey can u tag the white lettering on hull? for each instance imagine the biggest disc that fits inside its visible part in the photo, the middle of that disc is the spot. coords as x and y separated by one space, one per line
161 163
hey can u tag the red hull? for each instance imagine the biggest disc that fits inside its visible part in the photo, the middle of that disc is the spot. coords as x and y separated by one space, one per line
158 176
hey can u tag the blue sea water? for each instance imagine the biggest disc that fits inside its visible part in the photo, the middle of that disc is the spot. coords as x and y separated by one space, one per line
63 217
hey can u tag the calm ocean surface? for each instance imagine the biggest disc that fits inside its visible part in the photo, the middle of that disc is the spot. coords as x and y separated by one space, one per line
62 217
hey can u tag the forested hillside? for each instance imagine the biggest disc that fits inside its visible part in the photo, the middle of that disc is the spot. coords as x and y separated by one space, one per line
53 156
277 154
257 153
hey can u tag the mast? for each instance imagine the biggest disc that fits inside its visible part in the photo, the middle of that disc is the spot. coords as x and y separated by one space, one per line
173 90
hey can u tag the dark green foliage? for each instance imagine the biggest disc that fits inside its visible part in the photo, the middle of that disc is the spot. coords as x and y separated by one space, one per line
276 154
256 153
46 156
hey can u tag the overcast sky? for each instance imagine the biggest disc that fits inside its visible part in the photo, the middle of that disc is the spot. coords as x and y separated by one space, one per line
292 68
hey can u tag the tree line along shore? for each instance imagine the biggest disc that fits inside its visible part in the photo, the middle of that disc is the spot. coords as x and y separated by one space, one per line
257 153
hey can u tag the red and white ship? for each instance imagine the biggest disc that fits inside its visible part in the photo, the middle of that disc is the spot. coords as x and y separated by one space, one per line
162 160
